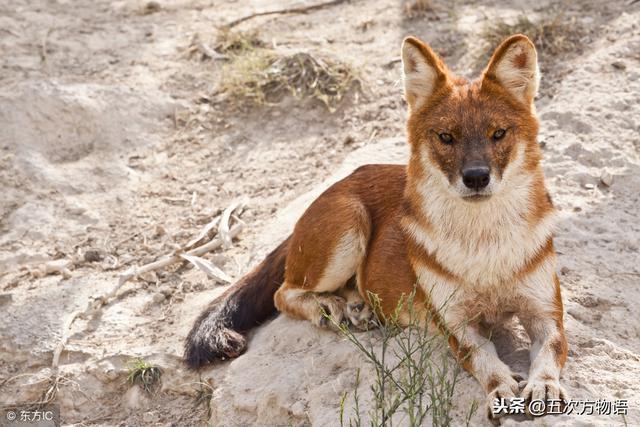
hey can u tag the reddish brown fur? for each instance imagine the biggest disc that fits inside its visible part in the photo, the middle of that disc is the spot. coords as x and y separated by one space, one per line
494 381
532 264
471 114
520 61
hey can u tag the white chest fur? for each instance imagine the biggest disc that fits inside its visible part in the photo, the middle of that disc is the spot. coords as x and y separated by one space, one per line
483 243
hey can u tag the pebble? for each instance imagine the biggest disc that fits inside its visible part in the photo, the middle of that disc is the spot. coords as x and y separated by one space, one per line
298 409
92 255
619 65
606 178
152 7
167 291
76 210
111 374
149 417
159 231
158 298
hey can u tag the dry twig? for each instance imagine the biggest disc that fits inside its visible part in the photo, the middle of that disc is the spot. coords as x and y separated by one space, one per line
208 268
223 228
206 230
166 261
302 9
209 52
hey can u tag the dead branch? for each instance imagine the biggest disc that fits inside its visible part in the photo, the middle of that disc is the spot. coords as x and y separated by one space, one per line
223 228
209 52
65 337
166 261
302 9
206 230
209 268
54 379
92 305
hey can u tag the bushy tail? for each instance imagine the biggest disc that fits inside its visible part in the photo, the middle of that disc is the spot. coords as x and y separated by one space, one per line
218 331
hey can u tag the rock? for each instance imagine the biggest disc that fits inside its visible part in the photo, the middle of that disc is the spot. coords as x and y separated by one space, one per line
606 178
76 210
564 270
619 65
298 409
159 231
151 7
93 255
167 291
109 369
158 298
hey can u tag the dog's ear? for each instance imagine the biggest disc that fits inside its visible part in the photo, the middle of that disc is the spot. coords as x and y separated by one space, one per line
424 72
514 66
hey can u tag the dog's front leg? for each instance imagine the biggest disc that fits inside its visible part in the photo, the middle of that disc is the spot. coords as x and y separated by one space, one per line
479 357
468 340
542 318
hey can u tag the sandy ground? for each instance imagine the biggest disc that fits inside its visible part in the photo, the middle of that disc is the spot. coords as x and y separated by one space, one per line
114 149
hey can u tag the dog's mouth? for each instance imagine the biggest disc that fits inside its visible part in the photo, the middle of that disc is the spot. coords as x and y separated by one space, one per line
476 197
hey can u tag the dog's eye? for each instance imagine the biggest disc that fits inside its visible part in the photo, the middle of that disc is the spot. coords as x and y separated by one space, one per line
446 138
499 134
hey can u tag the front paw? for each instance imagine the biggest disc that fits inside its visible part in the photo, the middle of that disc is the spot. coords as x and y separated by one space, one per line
499 397
544 388
331 313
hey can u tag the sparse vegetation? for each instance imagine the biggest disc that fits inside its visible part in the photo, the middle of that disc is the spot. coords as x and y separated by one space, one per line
262 76
415 8
144 374
204 393
415 376
235 42
552 34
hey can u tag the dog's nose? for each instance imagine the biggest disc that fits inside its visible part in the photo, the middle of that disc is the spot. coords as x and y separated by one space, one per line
476 177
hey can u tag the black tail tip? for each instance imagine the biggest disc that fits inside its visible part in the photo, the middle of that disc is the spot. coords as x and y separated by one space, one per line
221 344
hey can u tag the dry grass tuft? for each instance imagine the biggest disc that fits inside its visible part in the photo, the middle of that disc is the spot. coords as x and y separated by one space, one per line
261 76
229 41
204 393
552 35
415 8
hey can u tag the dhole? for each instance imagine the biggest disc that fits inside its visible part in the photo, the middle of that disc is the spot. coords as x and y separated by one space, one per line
469 221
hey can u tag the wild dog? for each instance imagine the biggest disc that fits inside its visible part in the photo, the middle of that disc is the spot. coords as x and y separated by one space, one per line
468 220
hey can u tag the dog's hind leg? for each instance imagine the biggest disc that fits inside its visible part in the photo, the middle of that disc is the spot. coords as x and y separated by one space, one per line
327 247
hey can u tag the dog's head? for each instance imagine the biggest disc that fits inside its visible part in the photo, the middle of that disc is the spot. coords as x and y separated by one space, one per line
473 137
